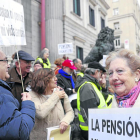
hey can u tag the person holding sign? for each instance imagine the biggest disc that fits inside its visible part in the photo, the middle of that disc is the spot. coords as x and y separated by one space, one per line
124 77
21 70
49 108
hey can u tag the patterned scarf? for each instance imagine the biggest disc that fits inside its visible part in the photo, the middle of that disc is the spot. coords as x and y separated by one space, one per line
128 100
64 74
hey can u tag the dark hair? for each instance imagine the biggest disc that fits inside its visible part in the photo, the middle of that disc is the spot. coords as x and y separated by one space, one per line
40 80
38 62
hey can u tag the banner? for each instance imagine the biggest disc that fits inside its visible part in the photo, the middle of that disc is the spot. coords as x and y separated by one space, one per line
114 124
12 31
66 48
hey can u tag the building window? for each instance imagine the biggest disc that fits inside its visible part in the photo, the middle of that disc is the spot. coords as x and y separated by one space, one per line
76 7
102 23
115 11
91 17
116 26
117 42
79 53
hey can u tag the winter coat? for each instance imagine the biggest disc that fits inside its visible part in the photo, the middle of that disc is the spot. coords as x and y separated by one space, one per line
17 88
64 83
49 112
88 96
14 124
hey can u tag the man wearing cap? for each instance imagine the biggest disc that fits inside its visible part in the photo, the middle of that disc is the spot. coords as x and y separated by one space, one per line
89 95
64 77
37 65
15 74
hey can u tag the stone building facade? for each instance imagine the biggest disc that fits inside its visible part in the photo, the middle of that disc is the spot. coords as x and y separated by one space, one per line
124 18
74 21
67 21
32 17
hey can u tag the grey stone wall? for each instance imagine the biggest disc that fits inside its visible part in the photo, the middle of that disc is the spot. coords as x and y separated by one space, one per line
79 36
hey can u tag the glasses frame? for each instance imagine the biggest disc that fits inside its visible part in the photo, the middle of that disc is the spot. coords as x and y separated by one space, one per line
5 60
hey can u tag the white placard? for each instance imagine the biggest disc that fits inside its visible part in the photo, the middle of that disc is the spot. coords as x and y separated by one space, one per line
114 124
104 59
66 48
12 31
126 44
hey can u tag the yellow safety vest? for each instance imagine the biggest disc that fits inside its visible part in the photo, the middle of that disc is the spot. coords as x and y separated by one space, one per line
109 100
44 64
81 74
102 104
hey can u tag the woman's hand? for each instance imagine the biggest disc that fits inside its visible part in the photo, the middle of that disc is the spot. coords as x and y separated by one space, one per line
25 96
60 88
63 127
60 93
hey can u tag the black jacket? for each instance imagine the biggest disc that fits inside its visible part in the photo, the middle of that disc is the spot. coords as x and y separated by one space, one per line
65 84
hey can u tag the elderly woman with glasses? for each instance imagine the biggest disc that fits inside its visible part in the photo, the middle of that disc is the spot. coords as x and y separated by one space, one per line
43 58
49 108
124 78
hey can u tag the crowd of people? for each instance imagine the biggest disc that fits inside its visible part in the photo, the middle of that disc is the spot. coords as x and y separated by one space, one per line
30 102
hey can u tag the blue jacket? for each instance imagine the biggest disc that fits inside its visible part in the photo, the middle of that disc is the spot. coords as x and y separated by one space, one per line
14 124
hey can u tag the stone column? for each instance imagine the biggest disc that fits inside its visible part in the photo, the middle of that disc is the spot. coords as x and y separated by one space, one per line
54 27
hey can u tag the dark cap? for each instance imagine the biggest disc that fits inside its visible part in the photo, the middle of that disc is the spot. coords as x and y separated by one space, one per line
38 62
24 56
96 65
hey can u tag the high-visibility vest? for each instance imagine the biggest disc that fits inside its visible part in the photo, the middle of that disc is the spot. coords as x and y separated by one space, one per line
81 74
44 64
109 100
81 112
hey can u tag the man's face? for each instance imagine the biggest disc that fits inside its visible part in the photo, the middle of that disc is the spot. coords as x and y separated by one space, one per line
68 70
25 66
98 74
78 65
37 66
3 67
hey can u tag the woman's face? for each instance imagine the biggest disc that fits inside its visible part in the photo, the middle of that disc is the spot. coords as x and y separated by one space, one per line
53 82
46 54
121 79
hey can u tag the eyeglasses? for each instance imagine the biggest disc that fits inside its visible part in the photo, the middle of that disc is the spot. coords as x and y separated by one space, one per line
5 60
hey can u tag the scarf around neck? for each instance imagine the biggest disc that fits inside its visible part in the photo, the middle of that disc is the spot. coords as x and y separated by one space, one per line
64 74
129 99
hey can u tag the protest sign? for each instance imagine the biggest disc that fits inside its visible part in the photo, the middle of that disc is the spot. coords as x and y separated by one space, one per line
126 44
104 60
114 124
66 48
12 31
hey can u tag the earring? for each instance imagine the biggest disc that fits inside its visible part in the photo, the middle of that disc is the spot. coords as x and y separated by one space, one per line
136 80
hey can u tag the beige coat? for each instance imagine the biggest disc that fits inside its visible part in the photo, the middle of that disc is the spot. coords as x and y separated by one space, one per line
137 103
49 112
